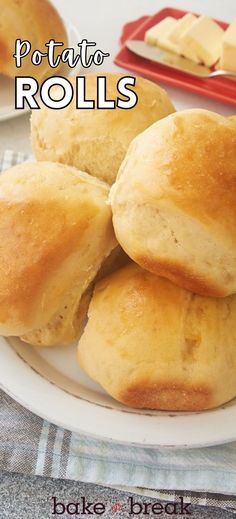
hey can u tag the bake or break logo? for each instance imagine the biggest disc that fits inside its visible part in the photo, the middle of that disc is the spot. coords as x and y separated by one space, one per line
29 92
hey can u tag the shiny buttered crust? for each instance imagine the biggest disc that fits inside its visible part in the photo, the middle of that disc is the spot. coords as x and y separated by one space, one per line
96 140
174 202
34 20
55 232
151 344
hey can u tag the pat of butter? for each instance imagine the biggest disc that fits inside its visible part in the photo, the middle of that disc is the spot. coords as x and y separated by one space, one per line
159 34
204 39
228 56
181 26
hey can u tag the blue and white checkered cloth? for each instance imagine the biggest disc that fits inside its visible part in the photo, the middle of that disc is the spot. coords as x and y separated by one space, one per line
30 445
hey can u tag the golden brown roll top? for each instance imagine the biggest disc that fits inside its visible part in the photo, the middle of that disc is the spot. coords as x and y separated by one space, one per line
151 344
173 203
36 21
55 232
96 140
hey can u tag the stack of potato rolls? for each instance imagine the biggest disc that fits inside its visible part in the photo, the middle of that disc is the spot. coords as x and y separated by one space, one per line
150 261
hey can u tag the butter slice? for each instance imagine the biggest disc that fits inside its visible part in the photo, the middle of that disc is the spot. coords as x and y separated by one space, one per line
228 56
158 35
182 25
204 40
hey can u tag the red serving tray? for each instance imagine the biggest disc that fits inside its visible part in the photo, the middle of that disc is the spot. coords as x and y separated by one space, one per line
222 89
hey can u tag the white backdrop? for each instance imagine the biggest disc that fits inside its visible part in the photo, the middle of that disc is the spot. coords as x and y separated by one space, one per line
101 21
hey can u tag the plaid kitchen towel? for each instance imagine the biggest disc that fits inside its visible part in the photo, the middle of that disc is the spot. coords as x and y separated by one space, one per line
33 446
29 445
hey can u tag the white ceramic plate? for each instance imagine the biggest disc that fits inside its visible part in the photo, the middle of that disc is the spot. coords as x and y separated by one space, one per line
50 383
7 85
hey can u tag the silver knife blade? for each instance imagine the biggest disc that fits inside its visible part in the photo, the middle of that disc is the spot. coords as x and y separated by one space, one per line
167 58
